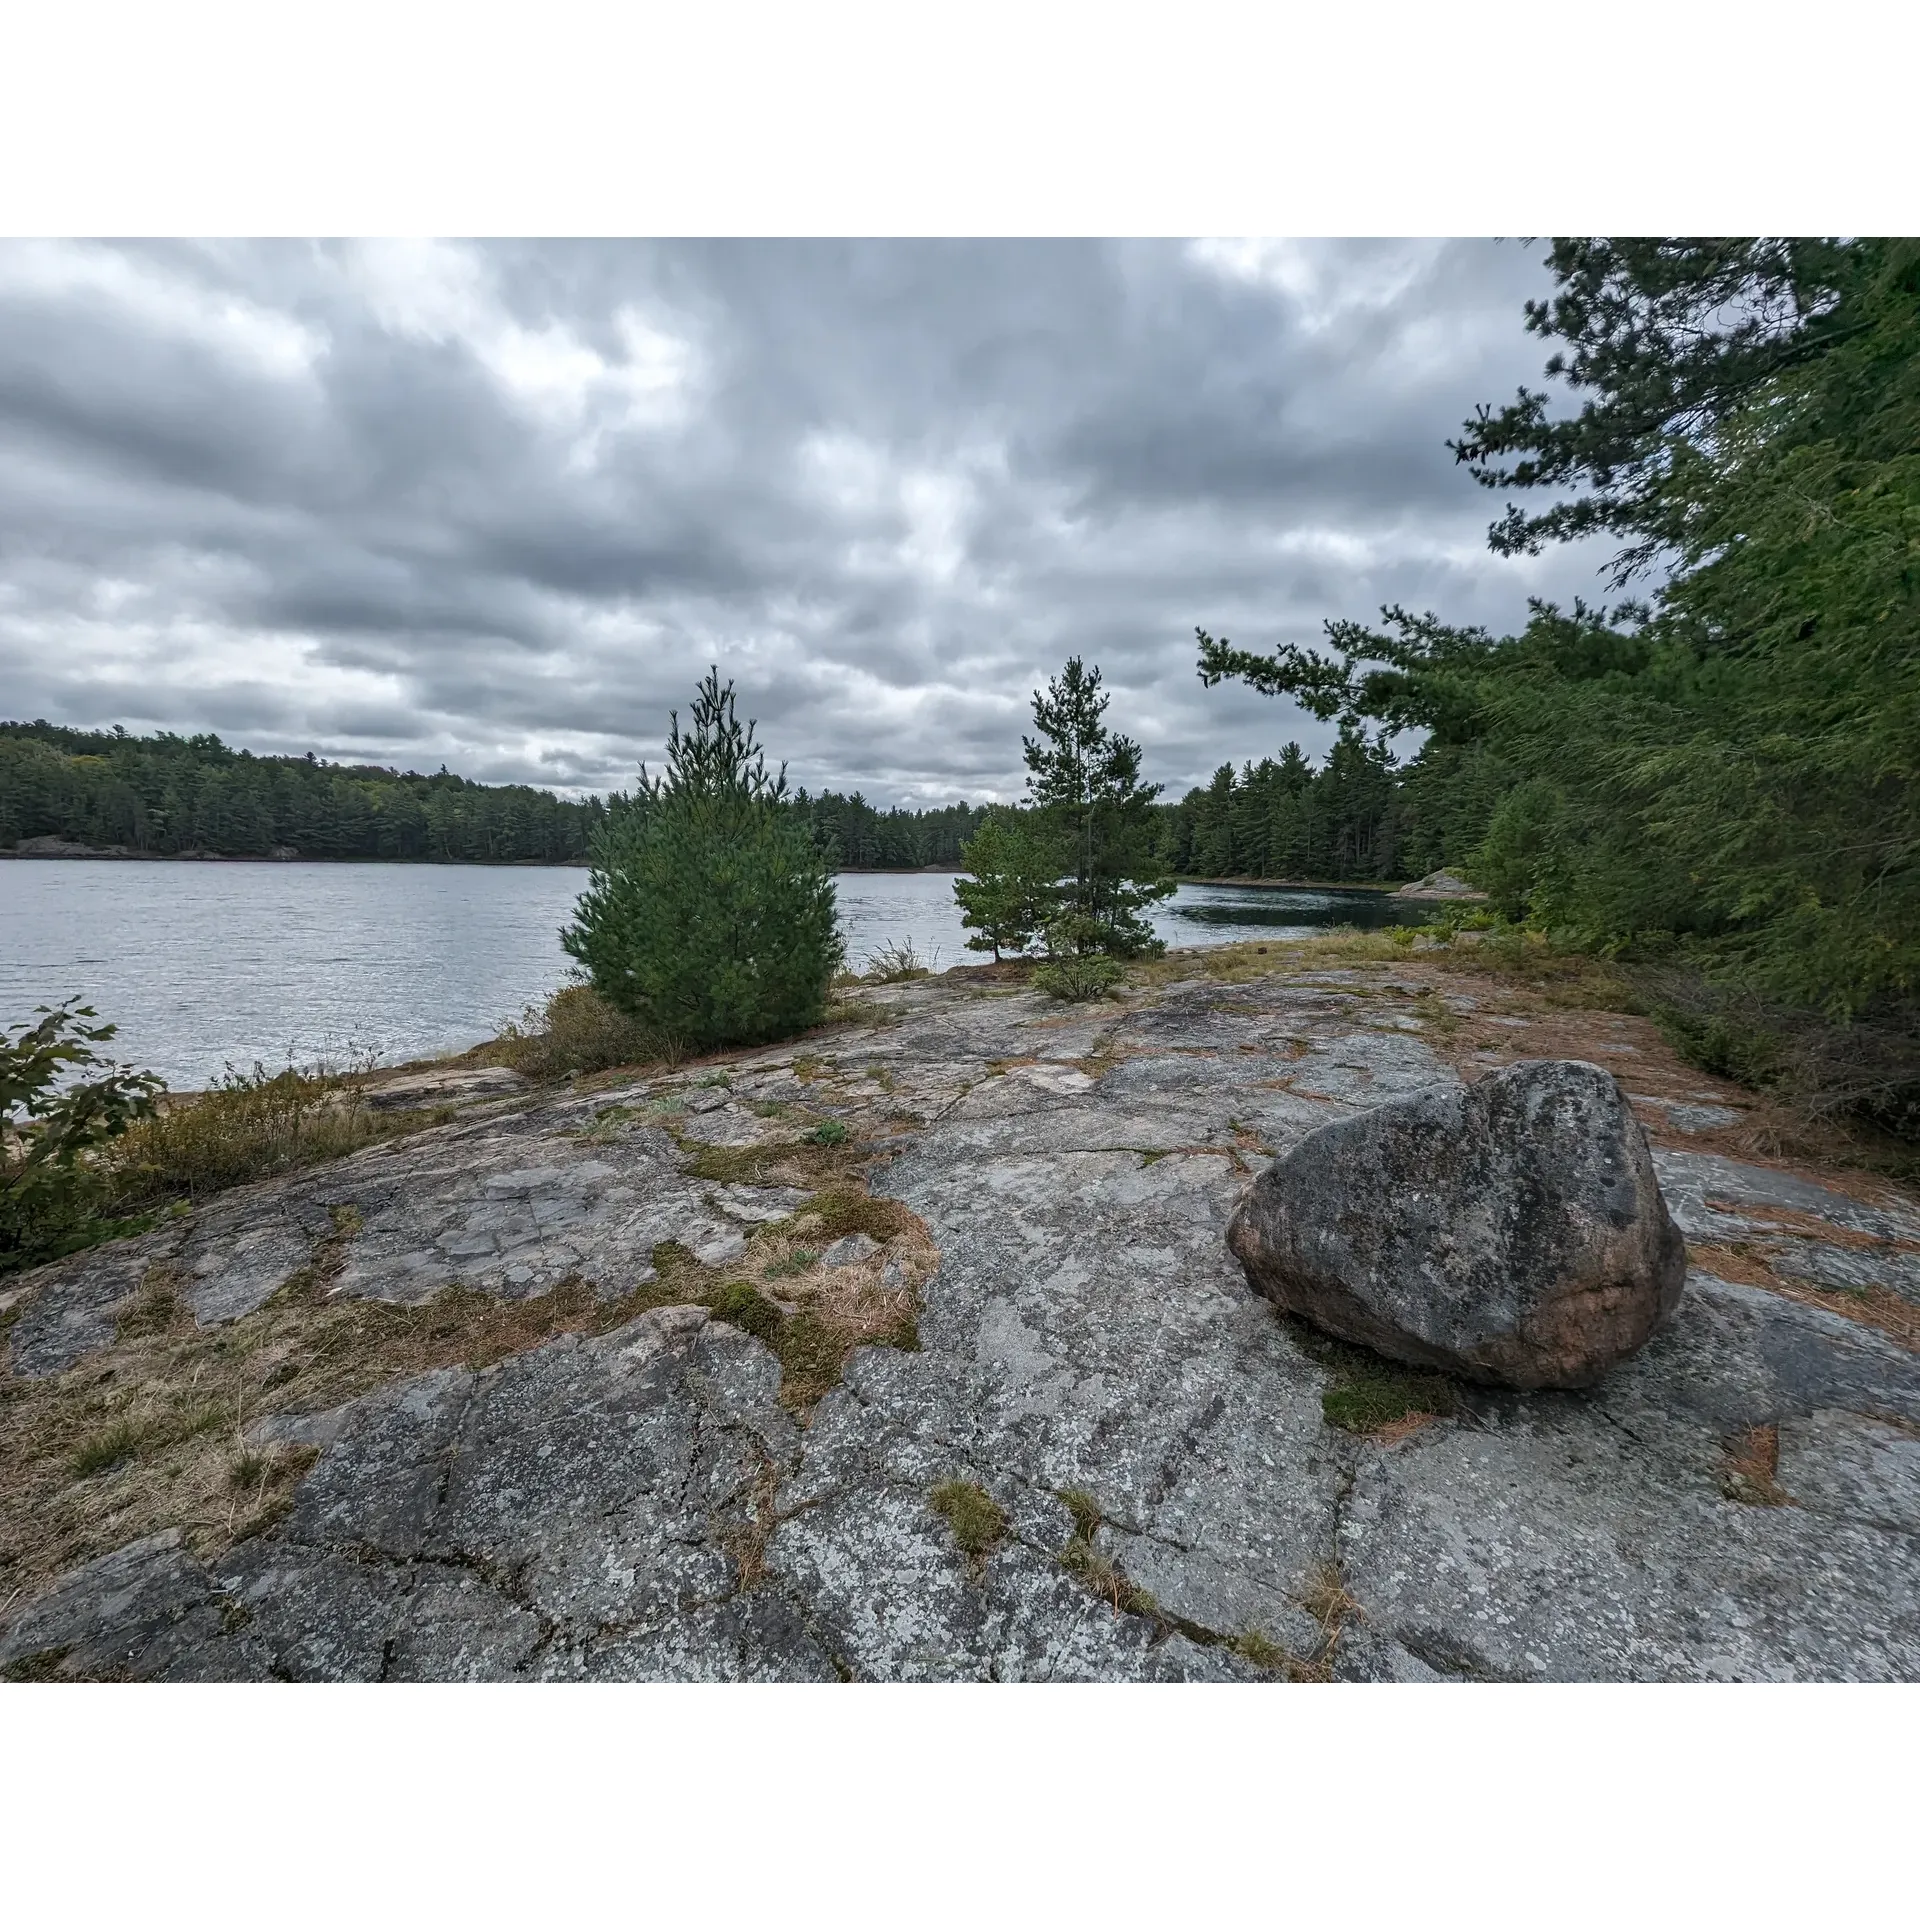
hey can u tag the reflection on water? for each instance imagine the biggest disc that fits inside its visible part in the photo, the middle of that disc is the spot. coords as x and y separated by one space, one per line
1282 910
918 910
201 963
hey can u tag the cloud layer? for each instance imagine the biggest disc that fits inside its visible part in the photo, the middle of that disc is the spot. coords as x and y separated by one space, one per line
499 505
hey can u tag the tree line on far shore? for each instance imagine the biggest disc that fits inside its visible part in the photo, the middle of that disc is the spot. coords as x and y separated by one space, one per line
173 794
1359 816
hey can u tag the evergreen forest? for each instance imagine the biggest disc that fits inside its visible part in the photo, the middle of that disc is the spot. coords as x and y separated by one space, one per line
1358 817
165 794
1721 769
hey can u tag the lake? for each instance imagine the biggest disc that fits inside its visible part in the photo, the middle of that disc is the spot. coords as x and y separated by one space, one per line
205 963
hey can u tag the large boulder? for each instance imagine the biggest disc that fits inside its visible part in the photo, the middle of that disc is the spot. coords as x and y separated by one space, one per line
1511 1231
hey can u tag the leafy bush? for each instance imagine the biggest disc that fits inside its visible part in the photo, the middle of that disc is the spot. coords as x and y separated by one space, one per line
1091 976
51 1193
577 1031
709 917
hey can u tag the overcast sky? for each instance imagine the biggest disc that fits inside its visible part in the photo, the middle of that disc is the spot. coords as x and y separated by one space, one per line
499 505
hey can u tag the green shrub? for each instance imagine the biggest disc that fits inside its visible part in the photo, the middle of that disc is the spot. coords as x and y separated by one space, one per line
1846 1072
52 1194
577 1031
1091 976
1008 889
1091 809
709 916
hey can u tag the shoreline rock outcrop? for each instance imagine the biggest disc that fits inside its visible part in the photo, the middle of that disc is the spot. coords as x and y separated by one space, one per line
1439 885
390 1417
1511 1231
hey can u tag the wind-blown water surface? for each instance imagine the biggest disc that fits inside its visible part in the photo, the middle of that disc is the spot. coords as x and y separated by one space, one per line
202 963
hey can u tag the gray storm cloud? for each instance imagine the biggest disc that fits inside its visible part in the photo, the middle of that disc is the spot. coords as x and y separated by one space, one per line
498 505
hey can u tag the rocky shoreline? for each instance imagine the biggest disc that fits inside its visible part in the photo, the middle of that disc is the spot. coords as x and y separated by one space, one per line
914 1350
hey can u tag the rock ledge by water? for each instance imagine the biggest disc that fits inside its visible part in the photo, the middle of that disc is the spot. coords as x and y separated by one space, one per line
1183 1485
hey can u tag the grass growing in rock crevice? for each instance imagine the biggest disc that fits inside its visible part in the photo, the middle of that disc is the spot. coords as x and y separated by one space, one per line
1325 1597
1092 1568
978 1522
150 1432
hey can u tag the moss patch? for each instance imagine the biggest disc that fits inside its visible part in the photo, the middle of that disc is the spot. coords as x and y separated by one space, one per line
1370 1392
672 1261
772 1162
844 1210
742 1303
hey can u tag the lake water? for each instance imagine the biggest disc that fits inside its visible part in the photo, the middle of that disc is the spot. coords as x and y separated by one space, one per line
204 963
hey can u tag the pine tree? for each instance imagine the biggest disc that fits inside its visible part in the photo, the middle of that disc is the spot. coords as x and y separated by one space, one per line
709 915
1728 772
1097 819
1014 880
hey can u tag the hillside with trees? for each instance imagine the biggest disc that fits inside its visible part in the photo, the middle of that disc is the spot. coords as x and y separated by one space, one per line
166 794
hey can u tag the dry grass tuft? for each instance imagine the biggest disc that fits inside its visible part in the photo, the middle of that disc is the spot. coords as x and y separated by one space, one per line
1326 1598
892 964
1752 1460
249 1127
576 1032
150 1433
1085 1510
